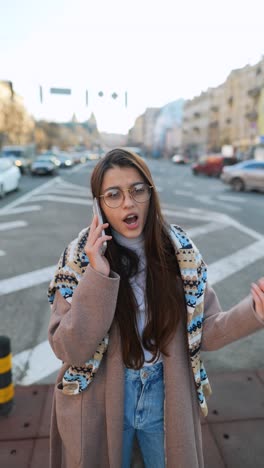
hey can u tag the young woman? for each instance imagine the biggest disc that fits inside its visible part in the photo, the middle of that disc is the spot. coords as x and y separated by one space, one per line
129 325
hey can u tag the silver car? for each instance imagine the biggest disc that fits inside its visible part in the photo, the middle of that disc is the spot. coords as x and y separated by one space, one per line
246 175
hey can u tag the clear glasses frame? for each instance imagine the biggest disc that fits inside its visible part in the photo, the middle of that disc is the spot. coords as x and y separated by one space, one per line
132 193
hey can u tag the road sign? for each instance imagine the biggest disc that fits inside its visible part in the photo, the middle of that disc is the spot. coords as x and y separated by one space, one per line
60 91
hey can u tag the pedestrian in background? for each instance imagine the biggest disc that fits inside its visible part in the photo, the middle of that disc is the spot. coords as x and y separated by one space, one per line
129 324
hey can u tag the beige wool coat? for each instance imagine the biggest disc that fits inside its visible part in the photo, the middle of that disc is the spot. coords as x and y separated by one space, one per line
86 429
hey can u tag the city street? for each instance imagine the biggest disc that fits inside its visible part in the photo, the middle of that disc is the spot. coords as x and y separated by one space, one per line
39 220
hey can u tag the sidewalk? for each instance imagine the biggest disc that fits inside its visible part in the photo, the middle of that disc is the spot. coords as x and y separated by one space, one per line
233 432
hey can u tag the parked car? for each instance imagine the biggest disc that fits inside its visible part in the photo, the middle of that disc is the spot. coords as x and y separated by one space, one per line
21 156
246 175
9 176
65 160
43 166
212 164
51 157
178 159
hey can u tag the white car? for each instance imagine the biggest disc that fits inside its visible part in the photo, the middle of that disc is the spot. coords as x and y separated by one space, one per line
178 159
246 175
9 176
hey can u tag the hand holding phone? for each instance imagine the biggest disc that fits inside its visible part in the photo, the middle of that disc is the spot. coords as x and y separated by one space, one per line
98 213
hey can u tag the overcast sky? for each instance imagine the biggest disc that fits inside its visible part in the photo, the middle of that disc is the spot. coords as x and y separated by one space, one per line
157 51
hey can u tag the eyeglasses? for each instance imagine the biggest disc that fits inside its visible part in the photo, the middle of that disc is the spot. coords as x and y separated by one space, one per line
114 197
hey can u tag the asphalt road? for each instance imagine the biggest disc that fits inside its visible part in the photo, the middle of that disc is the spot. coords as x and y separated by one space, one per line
38 221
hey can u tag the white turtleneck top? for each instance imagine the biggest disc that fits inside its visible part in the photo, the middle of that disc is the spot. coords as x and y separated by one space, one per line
138 284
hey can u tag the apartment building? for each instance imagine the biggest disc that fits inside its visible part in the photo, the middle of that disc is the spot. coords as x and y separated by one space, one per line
136 133
232 113
150 116
195 126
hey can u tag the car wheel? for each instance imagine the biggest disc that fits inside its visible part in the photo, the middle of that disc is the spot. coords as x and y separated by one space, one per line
237 185
194 172
2 191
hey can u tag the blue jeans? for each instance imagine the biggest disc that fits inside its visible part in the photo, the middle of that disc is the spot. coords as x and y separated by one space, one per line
144 415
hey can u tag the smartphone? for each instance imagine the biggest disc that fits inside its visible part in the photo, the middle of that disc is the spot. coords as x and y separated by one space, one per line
97 211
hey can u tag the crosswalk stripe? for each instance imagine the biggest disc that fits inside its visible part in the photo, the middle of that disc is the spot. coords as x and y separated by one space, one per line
57 199
12 225
40 362
26 280
227 266
21 209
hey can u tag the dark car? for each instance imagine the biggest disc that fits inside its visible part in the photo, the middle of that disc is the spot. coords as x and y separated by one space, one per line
212 165
65 160
43 166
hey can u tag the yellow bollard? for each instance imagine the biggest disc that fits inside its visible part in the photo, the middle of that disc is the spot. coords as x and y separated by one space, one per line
6 385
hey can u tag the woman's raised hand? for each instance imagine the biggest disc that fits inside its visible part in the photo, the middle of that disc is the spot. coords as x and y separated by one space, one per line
94 245
257 291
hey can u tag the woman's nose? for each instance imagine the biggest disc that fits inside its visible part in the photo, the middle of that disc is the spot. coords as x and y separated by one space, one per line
128 199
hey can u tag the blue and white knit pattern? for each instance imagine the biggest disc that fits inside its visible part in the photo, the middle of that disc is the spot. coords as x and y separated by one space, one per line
72 266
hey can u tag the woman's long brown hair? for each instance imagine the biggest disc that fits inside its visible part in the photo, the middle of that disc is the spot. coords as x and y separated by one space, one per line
164 290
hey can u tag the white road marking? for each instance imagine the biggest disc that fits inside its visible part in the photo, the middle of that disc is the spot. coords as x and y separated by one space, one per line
61 183
65 191
203 215
235 262
185 193
76 201
210 227
192 213
38 362
231 199
250 232
12 225
78 168
26 280
22 209
2 253
206 199
27 196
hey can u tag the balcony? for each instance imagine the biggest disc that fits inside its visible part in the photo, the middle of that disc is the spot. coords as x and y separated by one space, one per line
254 92
214 124
252 116
215 108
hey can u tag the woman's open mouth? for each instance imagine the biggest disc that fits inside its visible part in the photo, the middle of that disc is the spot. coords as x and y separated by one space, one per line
131 221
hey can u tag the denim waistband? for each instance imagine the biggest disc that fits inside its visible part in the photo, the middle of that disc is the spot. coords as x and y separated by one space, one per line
146 372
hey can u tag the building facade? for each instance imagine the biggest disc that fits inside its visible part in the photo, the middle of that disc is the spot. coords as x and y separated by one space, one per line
230 114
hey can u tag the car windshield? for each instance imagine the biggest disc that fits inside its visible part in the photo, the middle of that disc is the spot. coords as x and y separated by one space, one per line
13 153
44 161
250 165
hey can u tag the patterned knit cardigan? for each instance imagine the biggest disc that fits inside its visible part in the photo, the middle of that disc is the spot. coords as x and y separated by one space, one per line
71 267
